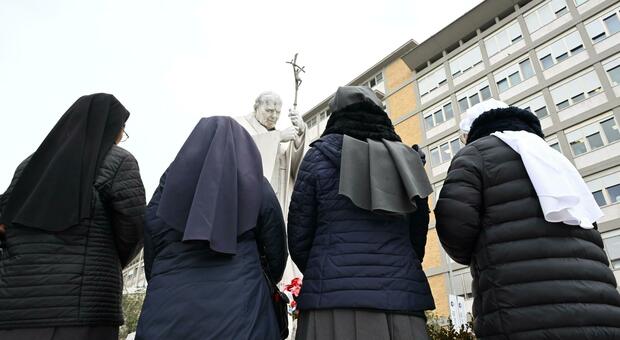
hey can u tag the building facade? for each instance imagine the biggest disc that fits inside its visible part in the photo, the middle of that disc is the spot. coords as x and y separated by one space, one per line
560 59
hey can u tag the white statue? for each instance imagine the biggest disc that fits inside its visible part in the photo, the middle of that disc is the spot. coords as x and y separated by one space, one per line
282 152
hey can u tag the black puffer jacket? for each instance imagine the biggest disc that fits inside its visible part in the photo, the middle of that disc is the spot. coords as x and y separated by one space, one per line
531 279
73 278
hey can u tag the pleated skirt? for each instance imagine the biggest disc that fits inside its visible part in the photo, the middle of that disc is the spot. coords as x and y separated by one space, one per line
350 324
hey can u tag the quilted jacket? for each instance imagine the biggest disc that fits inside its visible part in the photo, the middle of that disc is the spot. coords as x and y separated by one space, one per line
350 257
531 279
73 278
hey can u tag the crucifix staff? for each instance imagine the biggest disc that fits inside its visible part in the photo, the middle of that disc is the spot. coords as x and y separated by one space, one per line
296 71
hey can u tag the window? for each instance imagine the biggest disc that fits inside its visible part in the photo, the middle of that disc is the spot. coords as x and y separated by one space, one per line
438 115
535 105
445 151
612 67
545 14
461 284
556 146
322 116
473 95
606 190
503 39
605 26
601 132
514 75
580 2
560 50
374 81
576 90
465 61
312 122
612 245
432 81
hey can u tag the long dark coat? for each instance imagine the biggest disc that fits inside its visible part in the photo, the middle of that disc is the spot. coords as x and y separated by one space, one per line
531 279
195 293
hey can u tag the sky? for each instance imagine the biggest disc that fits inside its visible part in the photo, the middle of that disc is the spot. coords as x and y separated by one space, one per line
172 62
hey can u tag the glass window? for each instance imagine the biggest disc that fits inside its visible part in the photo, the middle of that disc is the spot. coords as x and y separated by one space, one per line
593 136
438 117
612 23
486 92
473 100
429 122
547 61
514 78
465 61
542 112
463 105
610 128
612 245
563 104
556 146
435 160
431 81
545 14
444 151
447 109
614 75
576 99
503 85
575 90
580 2
614 193
503 39
578 147
595 141
604 26
456 146
526 69
599 197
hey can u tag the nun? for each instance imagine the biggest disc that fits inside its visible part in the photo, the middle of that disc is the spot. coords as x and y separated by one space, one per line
520 215
214 238
70 220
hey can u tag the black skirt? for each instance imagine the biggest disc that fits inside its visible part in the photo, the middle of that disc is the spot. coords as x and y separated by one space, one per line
61 333
350 324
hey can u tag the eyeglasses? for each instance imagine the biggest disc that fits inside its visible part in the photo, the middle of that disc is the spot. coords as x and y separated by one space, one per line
125 136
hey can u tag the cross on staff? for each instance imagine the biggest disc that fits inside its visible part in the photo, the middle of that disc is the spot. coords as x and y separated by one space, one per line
296 70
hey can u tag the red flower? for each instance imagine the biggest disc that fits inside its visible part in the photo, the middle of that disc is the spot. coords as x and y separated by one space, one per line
294 287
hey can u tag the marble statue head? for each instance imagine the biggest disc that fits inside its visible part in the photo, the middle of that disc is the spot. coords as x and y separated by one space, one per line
267 109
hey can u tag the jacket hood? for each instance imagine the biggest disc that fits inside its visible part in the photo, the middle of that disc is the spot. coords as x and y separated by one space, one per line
504 119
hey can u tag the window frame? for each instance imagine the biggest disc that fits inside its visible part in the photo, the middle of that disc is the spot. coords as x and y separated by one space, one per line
431 113
600 20
568 102
548 49
509 71
583 135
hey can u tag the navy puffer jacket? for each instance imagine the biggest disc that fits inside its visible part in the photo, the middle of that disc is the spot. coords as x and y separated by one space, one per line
353 258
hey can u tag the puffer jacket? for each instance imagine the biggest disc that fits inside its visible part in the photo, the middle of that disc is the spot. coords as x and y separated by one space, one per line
531 279
350 257
73 277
